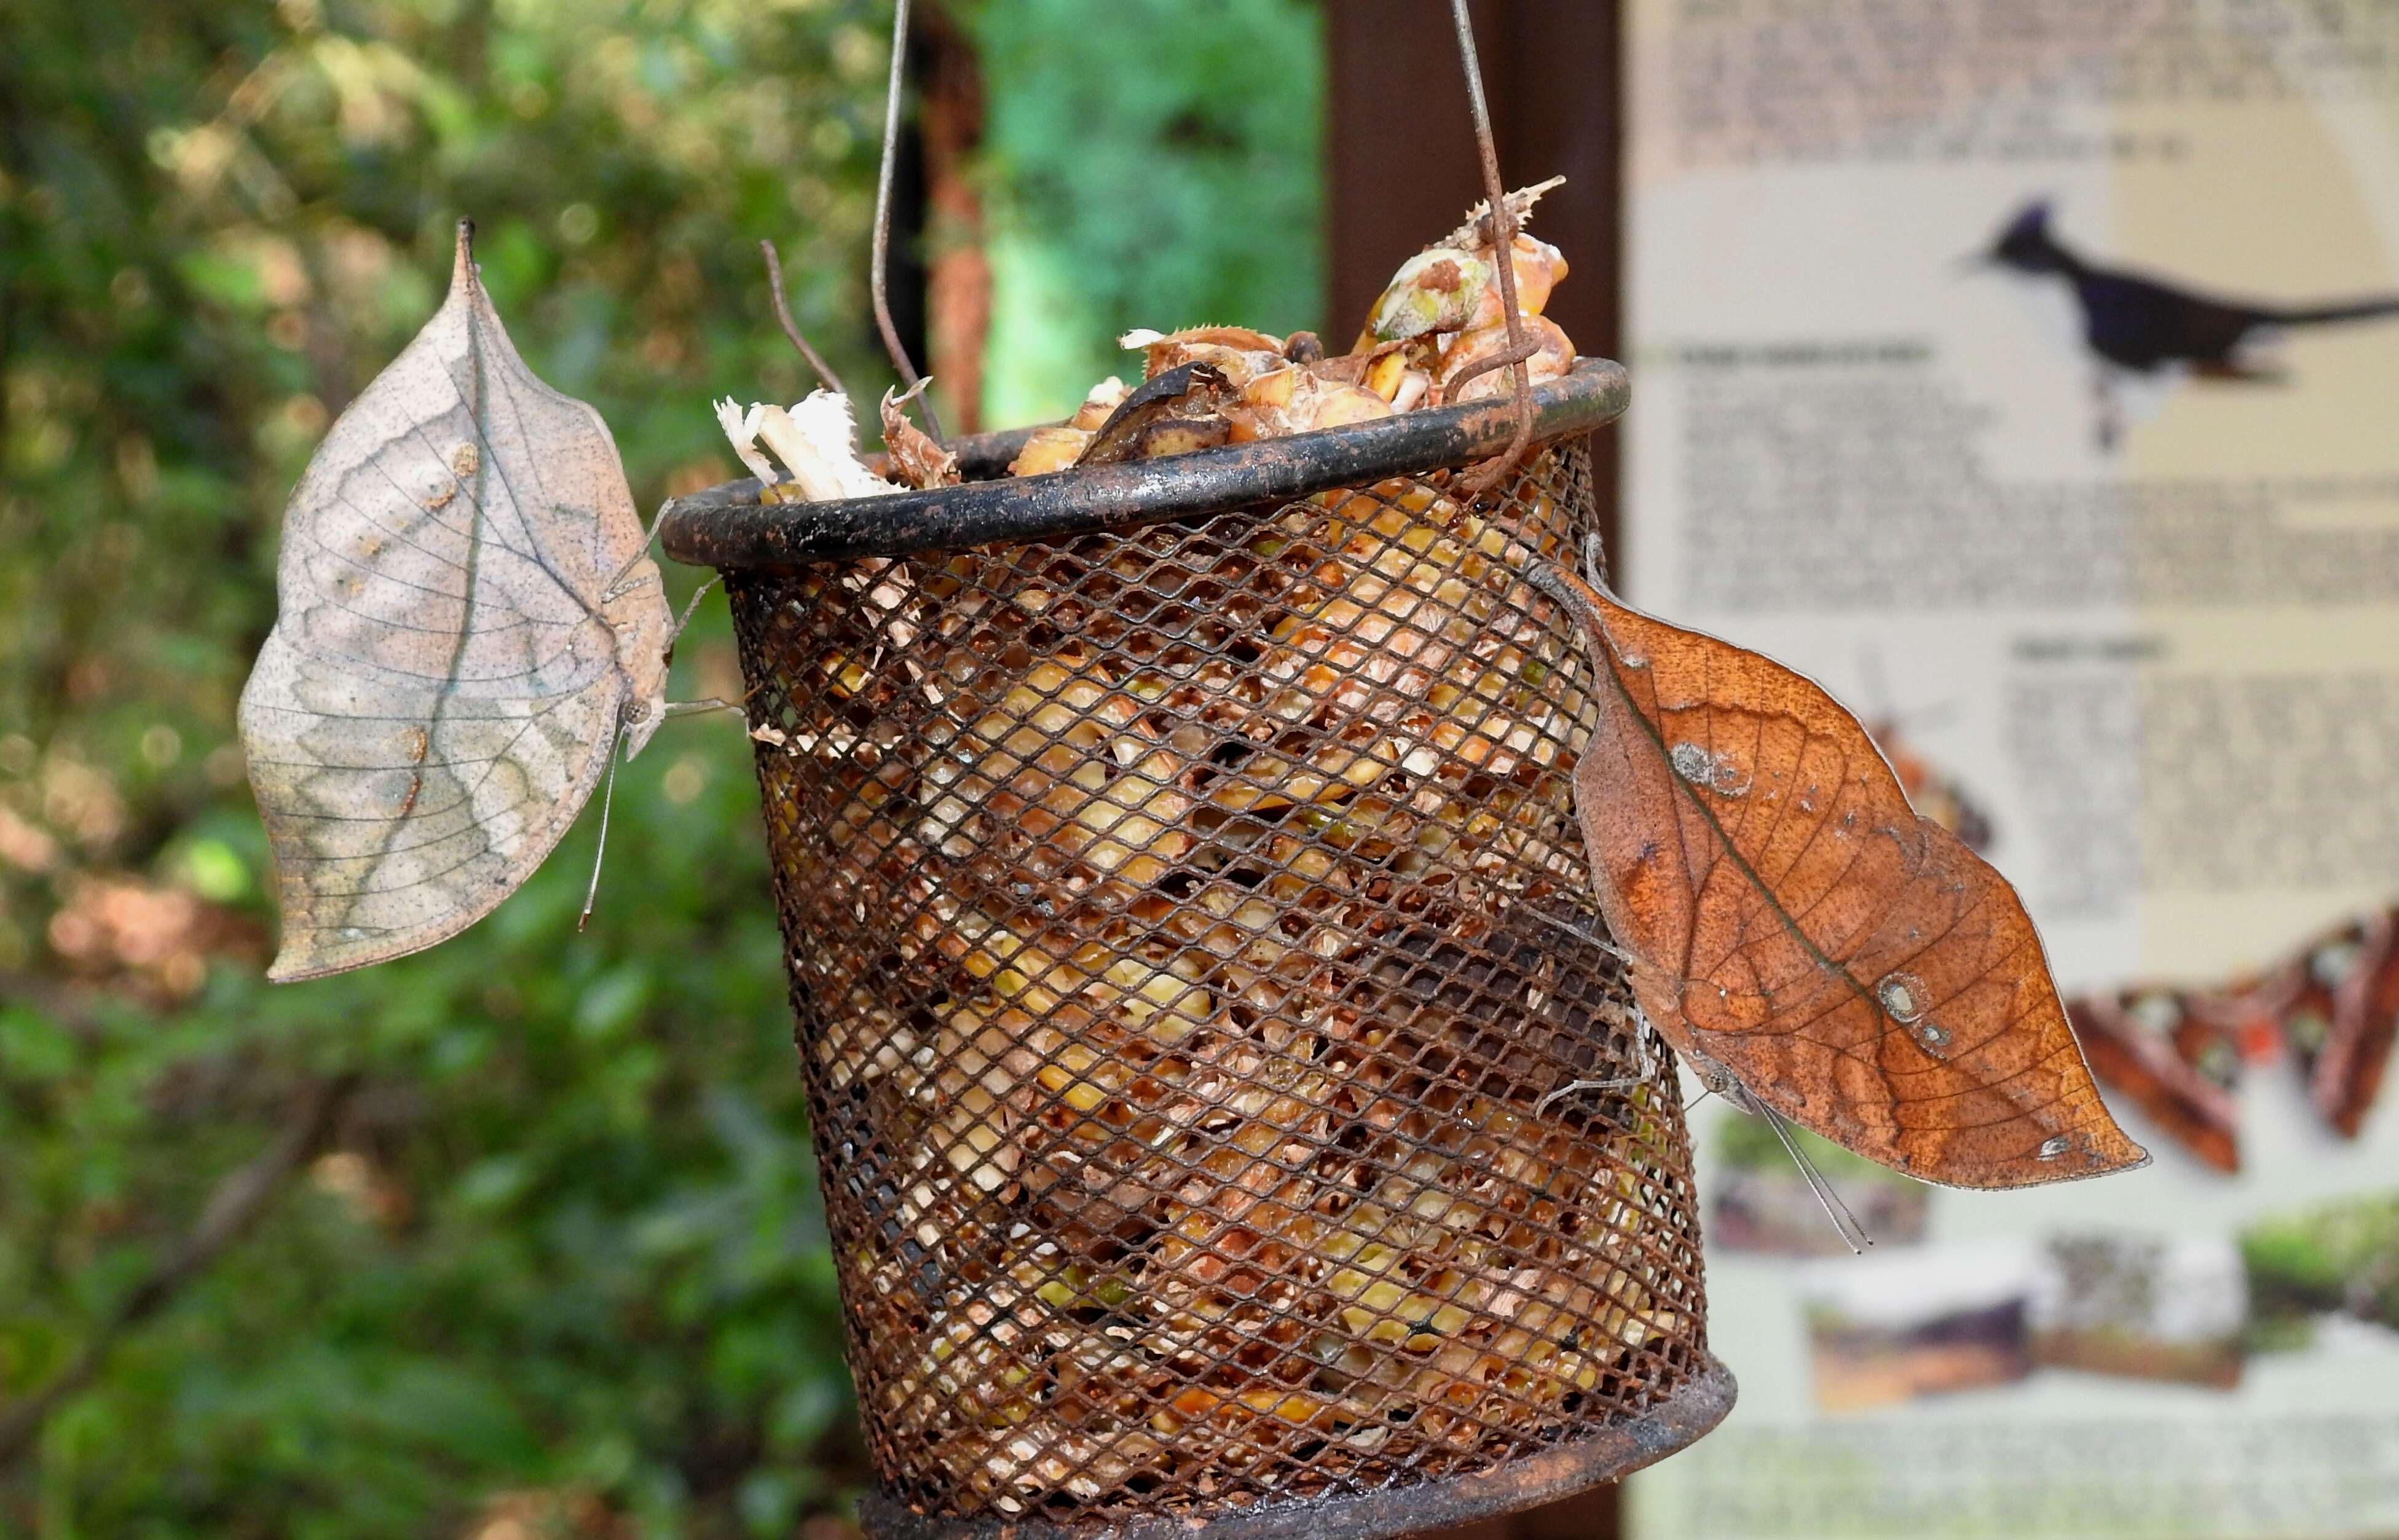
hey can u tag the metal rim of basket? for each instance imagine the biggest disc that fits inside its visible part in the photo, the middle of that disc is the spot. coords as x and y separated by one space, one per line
728 528
1589 1460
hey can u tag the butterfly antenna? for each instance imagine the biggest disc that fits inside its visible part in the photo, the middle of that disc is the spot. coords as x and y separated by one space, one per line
1852 1233
607 799
692 707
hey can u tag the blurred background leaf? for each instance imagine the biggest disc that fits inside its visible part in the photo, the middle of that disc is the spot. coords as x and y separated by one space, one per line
555 1266
1152 164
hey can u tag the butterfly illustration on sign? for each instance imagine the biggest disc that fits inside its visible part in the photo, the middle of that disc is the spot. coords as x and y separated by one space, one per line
1931 790
2180 1053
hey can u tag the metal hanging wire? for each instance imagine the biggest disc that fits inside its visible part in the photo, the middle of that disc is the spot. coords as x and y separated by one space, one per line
1503 244
1501 217
879 277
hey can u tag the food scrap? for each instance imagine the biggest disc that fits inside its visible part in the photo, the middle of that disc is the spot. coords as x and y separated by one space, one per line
1176 1087
1162 821
920 461
817 442
1208 385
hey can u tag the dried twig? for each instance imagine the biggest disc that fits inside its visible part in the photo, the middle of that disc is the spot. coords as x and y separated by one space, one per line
791 327
236 1201
1521 346
877 279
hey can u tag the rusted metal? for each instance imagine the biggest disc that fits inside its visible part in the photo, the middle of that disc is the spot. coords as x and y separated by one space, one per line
1594 1458
1222 1134
726 527
792 332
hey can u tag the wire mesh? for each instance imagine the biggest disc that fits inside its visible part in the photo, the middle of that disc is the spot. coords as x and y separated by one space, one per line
1181 929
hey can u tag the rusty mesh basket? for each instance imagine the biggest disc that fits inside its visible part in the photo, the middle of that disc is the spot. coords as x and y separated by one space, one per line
1172 860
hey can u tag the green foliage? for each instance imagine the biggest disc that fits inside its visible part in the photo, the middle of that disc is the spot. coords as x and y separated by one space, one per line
2341 1257
1154 163
560 1260
559 1267
1748 1143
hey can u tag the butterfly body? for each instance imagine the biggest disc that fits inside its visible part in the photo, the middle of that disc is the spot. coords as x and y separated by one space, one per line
468 626
1794 924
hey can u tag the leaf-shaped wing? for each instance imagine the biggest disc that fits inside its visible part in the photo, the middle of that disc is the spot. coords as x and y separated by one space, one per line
465 615
1793 920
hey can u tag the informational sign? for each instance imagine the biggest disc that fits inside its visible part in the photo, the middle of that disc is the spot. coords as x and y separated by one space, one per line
2027 372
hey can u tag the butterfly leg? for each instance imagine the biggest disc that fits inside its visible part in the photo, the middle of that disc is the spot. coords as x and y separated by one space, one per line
1586 938
618 588
1642 1068
674 633
649 547
693 707
689 610
1576 1088
1595 561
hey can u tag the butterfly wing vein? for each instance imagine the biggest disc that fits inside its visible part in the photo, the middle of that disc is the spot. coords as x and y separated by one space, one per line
1853 966
449 668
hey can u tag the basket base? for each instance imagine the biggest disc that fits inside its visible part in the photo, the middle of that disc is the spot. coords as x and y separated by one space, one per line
1599 1457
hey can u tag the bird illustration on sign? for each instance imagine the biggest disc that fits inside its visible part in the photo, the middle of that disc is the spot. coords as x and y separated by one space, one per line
2137 326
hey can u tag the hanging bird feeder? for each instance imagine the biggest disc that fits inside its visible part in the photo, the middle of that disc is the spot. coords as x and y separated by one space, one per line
1225 1131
